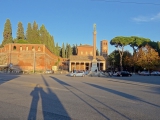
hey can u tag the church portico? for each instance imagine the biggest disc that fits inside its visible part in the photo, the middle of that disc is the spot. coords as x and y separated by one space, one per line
85 63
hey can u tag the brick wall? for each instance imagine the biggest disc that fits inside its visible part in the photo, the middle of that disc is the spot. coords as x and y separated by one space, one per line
28 56
85 50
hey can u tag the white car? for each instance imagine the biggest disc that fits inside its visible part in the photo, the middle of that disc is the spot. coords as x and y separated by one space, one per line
77 73
145 73
49 72
155 73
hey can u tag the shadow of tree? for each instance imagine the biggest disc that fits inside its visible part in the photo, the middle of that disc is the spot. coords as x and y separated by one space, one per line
155 90
52 108
141 79
122 94
67 85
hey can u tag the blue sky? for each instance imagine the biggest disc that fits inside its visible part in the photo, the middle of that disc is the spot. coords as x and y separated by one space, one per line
71 21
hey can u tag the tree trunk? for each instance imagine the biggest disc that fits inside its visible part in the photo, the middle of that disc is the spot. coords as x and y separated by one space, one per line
121 62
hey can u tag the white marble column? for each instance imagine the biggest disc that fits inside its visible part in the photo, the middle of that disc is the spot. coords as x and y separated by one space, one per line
70 65
104 65
89 66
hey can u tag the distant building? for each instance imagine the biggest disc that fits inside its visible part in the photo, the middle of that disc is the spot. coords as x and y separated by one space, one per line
86 58
83 60
104 48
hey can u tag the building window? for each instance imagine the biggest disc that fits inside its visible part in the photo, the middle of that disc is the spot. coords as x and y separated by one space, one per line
86 53
20 48
81 53
39 49
26 48
33 48
14 47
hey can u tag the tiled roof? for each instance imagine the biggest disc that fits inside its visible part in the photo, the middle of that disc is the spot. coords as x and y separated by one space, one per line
85 45
85 58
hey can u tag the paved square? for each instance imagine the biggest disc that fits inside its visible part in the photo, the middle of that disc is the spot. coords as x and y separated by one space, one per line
52 97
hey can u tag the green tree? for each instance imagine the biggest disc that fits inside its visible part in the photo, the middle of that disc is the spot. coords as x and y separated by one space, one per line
120 42
43 34
66 51
69 50
63 51
57 49
155 46
29 33
97 52
21 41
114 58
52 44
137 42
35 34
20 32
74 49
7 34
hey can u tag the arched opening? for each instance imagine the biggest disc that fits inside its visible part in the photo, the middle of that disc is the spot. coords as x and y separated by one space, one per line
33 48
20 48
27 48
39 49
14 47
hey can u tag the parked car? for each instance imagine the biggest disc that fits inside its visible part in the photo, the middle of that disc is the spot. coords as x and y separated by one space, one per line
156 73
49 72
124 73
77 73
145 73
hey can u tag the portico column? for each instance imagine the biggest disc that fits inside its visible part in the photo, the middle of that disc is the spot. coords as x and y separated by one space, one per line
84 66
104 65
70 66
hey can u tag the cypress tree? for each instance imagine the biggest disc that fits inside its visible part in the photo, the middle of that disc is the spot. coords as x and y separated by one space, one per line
29 33
43 34
57 50
63 51
66 51
74 49
52 45
97 52
20 32
7 34
35 34
69 50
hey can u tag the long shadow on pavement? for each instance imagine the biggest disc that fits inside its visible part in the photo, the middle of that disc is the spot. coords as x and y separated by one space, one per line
6 78
52 108
122 94
63 83
140 79
34 103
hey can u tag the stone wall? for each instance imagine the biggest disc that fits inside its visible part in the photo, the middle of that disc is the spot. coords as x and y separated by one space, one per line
28 57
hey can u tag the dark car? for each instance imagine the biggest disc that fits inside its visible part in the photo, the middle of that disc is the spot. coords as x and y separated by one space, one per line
124 73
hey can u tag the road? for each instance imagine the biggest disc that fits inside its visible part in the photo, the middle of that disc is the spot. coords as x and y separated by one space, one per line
60 97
